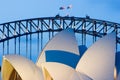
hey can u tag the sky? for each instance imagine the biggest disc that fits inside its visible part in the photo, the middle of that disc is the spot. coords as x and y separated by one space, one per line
11 10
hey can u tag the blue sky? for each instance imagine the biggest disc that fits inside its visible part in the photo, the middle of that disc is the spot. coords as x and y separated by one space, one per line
11 10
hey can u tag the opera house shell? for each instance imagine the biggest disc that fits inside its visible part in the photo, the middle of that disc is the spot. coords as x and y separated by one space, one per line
62 59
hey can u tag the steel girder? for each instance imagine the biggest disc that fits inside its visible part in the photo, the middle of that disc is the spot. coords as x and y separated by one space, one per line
89 26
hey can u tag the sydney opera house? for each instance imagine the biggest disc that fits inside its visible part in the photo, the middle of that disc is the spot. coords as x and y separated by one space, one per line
62 59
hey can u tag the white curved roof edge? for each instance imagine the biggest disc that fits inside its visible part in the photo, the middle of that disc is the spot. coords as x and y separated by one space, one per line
99 60
115 73
26 69
64 40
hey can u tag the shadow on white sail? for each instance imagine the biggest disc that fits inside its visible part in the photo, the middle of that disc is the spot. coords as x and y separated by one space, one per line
99 60
117 62
63 57
118 77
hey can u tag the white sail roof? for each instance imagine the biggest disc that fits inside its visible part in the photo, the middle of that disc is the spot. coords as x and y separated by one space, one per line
99 60
58 71
24 68
64 41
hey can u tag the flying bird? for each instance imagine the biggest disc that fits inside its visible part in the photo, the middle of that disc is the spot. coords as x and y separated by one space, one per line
62 8
69 7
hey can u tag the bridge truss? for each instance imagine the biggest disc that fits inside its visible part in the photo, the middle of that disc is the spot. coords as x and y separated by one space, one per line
28 37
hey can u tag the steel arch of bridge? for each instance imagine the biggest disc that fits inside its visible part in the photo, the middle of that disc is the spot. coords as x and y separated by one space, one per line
16 29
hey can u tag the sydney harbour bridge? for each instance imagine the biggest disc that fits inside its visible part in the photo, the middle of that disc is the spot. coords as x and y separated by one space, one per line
28 37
